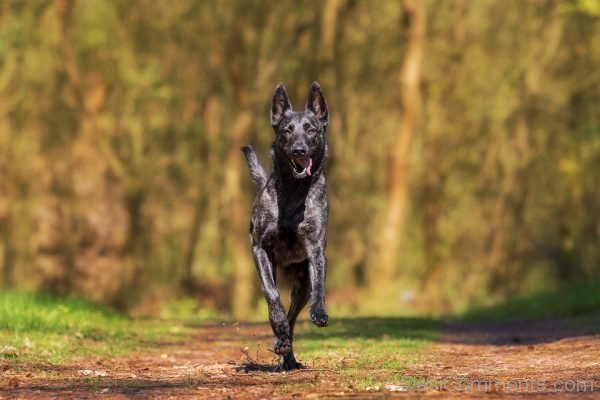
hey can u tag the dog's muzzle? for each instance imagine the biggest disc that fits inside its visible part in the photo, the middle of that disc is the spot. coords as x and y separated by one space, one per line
301 167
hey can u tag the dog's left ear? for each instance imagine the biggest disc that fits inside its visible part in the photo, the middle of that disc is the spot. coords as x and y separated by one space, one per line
317 104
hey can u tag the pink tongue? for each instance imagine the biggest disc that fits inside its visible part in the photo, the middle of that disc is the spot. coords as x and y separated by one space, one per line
305 163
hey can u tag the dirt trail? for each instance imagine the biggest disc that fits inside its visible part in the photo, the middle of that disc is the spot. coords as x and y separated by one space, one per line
483 360
533 359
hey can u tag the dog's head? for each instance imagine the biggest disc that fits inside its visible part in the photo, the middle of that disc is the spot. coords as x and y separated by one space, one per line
300 136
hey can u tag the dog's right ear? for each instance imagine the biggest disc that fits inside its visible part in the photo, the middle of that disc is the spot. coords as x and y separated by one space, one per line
281 104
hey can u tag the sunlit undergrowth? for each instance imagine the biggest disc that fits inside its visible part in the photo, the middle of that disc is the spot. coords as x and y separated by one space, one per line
567 302
38 327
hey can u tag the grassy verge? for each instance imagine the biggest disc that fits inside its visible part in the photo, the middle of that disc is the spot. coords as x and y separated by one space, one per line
366 352
42 328
568 302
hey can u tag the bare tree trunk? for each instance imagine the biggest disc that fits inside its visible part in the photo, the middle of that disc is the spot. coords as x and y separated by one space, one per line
237 244
237 240
210 117
6 253
435 142
431 211
327 68
395 209
190 255
70 81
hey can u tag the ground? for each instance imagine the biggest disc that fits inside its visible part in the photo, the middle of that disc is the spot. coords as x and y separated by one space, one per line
356 358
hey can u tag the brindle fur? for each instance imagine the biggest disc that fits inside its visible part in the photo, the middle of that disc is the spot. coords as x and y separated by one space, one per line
288 226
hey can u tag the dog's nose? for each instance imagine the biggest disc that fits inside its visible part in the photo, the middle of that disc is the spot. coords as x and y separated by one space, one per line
298 151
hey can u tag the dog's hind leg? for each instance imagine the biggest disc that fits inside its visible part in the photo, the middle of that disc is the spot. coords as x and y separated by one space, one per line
299 296
281 328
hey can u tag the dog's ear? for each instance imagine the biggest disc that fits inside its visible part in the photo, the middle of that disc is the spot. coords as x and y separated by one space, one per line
317 104
281 104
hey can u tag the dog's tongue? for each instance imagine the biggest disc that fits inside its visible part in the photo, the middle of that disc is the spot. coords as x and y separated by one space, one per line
305 163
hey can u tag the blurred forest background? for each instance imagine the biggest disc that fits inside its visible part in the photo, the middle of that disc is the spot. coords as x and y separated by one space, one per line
464 137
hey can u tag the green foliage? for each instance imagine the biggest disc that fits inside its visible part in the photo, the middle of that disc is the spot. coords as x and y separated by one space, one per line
577 301
120 126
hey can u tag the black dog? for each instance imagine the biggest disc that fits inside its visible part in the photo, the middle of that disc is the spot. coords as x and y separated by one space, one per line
289 220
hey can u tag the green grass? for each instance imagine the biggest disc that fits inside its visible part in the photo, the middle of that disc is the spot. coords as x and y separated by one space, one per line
367 352
44 328
23 312
567 302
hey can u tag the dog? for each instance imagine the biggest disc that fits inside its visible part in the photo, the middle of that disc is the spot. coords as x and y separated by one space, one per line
288 225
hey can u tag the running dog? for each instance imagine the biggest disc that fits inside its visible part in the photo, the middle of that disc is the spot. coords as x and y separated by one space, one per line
288 226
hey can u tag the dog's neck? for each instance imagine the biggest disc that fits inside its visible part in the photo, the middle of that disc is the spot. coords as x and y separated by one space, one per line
292 192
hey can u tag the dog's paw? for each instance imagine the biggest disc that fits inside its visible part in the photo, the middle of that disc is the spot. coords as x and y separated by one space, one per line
319 317
282 347
290 363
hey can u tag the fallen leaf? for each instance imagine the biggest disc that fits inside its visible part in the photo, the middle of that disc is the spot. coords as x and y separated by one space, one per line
91 372
395 388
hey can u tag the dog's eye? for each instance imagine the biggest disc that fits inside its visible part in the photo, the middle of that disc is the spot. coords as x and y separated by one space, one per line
287 134
312 131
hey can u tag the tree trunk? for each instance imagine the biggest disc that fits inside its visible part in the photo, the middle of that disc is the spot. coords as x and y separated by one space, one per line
210 117
237 239
327 72
435 145
6 251
70 81
397 196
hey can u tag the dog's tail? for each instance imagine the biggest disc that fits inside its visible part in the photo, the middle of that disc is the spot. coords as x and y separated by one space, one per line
257 172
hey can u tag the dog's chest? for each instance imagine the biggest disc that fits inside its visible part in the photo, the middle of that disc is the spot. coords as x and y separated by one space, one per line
287 252
288 247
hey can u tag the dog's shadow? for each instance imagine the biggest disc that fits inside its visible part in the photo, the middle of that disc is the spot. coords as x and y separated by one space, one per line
250 367
253 366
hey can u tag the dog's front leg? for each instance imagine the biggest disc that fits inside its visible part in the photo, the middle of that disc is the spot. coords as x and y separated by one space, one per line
281 328
317 268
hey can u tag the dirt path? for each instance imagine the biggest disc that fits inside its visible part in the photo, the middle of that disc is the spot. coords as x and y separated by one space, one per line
483 360
558 357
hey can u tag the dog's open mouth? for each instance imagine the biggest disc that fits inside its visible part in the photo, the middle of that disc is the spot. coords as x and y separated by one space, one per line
301 166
